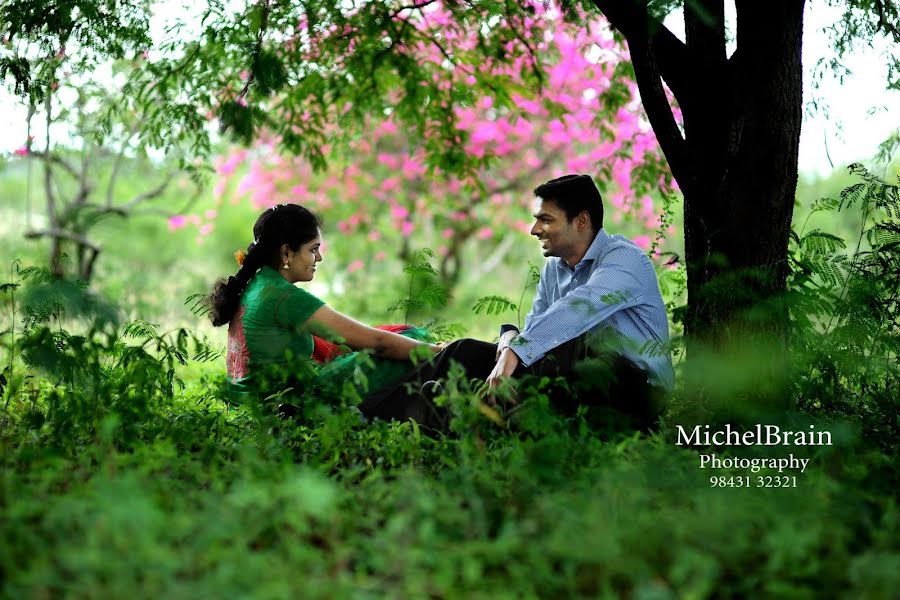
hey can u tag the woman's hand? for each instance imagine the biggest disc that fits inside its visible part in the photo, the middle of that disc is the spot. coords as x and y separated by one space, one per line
438 347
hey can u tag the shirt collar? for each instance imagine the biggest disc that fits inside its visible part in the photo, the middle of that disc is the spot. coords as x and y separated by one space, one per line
594 251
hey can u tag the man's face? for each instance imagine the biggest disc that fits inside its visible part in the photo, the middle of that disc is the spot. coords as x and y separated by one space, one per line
556 233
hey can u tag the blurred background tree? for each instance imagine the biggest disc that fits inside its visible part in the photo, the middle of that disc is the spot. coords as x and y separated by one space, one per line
289 72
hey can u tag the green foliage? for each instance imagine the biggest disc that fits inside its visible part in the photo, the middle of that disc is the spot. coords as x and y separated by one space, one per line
79 384
123 471
39 32
493 305
428 293
846 310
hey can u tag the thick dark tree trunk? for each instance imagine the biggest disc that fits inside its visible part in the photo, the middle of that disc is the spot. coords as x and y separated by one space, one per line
743 134
736 162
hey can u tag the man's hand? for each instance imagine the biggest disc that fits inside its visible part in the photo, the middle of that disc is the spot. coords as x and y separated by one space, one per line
504 368
505 340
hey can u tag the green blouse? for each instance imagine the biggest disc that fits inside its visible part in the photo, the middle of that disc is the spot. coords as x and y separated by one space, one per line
268 330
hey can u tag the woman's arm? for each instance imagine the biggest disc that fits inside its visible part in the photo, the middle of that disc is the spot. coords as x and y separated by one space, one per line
362 337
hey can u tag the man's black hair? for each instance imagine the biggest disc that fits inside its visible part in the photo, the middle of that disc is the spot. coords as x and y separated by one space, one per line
573 194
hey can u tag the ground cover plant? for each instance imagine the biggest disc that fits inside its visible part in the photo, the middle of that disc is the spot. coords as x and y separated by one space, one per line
125 474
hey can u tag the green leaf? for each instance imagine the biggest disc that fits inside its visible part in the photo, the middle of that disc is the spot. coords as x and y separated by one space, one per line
435 296
494 305
269 73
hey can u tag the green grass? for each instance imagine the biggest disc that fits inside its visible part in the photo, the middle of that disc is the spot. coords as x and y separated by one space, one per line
220 504
124 474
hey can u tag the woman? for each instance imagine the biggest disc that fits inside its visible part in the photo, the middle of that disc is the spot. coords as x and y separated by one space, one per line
270 320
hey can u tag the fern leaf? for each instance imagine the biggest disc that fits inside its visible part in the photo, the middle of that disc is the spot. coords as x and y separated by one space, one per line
493 305
199 304
435 296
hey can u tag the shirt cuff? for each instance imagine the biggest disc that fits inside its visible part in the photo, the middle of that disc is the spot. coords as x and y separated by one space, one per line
528 352
508 327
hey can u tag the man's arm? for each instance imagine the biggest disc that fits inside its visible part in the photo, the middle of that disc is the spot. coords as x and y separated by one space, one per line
619 283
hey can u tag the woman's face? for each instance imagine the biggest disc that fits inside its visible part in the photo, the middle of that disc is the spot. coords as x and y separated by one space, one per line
302 263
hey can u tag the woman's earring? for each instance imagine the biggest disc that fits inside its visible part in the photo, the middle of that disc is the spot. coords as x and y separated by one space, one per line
286 266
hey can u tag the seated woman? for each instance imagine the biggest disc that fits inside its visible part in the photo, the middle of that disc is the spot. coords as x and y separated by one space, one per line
270 320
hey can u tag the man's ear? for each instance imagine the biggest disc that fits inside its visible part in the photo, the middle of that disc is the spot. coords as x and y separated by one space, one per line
583 221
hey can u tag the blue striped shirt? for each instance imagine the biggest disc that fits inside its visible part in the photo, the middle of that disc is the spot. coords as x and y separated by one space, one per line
612 295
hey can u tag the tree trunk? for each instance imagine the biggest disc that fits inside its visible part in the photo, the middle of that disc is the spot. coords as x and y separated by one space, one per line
743 138
736 164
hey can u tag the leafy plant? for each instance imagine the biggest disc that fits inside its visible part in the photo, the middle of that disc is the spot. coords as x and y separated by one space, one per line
427 294
846 310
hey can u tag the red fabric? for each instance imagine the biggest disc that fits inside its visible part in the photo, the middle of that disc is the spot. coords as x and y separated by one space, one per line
238 356
325 351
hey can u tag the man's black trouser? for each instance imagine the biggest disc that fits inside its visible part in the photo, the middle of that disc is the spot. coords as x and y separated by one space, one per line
614 385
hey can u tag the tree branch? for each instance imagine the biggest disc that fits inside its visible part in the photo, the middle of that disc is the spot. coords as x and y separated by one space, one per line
55 159
117 165
704 28
257 49
148 195
48 173
532 55
59 234
633 20
486 267
411 7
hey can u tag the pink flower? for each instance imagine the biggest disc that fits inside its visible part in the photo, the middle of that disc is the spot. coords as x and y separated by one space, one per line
344 227
23 151
390 184
412 167
406 229
447 233
643 242
228 166
206 229
374 236
389 160
399 212
379 256
443 250
356 265
485 132
210 214
386 128
485 233
177 222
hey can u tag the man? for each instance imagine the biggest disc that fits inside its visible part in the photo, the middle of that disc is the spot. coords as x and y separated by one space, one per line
597 298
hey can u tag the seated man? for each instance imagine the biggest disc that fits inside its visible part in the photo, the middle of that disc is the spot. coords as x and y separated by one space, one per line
597 299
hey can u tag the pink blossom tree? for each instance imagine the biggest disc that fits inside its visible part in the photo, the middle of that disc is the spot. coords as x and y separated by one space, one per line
585 119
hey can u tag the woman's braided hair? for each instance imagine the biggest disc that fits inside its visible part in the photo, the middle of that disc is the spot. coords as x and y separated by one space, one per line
289 224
